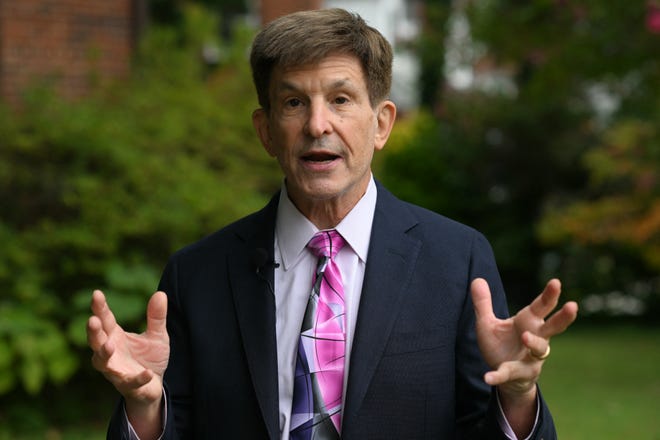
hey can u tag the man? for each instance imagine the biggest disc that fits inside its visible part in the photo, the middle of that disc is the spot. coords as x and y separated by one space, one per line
420 347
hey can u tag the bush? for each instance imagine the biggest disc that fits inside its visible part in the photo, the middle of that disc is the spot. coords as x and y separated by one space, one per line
97 193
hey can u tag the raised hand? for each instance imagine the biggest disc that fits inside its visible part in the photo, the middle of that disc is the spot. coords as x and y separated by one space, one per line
516 347
133 363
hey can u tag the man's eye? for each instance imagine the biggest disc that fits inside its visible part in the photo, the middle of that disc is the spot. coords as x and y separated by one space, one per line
293 102
341 100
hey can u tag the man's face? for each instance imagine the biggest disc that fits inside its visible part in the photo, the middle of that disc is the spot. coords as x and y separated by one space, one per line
322 129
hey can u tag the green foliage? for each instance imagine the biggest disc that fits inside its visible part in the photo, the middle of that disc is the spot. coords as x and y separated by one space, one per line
553 151
97 193
432 60
614 230
624 207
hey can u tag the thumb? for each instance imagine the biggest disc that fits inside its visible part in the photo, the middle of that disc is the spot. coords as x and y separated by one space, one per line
157 313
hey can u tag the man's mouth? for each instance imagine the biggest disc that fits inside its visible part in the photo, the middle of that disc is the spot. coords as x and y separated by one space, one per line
320 157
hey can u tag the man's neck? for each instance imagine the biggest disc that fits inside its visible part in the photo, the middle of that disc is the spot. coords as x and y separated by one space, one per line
327 213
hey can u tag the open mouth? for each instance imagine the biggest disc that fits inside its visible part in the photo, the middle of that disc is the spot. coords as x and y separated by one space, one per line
320 157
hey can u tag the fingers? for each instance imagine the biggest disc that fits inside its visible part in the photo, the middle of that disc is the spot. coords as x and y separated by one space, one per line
99 326
96 337
481 298
547 300
526 370
101 309
560 320
101 357
539 347
136 381
545 303
526 373
157 314
102 347
125 383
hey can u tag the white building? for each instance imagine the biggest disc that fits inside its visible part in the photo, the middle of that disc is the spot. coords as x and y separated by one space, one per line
398 21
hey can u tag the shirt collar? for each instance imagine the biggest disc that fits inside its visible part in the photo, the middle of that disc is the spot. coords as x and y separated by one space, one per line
293 230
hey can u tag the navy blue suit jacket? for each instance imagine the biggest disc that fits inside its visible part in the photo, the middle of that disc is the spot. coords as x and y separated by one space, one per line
416 371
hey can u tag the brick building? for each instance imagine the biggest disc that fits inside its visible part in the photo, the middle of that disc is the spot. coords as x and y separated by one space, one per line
270 10
71 44
74 44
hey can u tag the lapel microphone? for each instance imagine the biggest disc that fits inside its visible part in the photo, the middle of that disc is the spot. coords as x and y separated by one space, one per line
261 261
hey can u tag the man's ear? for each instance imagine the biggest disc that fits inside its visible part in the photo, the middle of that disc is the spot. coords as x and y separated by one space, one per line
262 127
385 116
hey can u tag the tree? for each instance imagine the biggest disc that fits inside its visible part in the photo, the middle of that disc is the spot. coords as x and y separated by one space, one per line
550 82
98 192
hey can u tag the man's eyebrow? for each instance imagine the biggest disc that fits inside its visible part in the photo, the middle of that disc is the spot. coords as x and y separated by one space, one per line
286 86
342 83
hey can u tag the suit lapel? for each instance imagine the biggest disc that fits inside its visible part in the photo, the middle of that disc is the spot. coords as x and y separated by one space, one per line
391 260
255 312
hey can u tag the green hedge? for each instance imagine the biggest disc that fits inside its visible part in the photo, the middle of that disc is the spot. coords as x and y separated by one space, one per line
97 193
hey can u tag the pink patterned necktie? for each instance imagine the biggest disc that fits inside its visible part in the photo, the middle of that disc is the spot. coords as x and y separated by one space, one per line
319 375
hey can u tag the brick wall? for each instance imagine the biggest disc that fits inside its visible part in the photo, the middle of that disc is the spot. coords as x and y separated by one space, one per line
70 43
271 9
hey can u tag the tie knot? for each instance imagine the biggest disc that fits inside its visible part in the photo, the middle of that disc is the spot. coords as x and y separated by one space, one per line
326 243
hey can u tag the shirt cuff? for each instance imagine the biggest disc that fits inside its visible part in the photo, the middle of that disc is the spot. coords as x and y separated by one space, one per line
504 423
132 435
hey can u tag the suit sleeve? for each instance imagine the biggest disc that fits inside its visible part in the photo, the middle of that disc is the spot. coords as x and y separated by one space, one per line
477 408
178 386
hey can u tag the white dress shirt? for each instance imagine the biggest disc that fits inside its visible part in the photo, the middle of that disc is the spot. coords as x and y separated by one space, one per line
293 282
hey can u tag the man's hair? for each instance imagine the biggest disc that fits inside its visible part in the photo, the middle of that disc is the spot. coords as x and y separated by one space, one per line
310 36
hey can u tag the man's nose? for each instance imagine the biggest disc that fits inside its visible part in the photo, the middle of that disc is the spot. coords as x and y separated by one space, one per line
319 121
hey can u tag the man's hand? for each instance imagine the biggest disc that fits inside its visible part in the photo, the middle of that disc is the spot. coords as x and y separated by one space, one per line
133 363
516 347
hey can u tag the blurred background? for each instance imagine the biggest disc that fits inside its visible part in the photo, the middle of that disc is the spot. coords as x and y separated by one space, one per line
125 133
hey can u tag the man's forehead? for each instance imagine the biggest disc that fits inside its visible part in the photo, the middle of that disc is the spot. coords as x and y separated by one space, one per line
340 70
298 60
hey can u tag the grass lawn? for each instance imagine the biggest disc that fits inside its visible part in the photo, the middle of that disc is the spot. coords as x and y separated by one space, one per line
600 382
604 383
